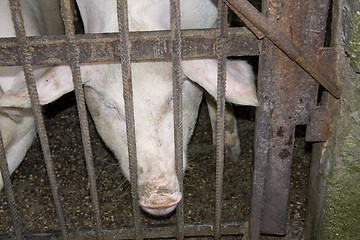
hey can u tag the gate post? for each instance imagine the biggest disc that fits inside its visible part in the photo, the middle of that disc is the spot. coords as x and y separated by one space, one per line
274 137
287 95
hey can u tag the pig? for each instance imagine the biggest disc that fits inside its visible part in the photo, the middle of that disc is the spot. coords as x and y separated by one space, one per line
17 124
158 190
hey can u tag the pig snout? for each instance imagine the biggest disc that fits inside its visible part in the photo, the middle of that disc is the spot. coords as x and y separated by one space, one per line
157 198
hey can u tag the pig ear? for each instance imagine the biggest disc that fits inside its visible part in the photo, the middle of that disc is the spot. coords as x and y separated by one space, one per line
51 83
240 85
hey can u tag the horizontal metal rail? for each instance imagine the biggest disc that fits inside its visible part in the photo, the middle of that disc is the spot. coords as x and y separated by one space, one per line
152 231
146 46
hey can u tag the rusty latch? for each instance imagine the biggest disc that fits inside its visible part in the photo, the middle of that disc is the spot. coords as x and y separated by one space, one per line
320 119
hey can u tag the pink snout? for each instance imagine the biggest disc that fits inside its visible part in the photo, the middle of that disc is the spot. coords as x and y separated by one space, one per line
159 200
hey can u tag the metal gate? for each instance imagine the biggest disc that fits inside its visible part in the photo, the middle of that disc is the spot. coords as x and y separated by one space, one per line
291 35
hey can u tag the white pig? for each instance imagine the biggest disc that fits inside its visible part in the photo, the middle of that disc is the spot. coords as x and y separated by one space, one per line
153 98
17 125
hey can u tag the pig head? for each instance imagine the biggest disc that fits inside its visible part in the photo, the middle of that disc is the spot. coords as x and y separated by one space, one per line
153 98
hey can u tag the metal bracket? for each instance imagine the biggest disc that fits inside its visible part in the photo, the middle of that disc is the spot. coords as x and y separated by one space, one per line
317 129
320 118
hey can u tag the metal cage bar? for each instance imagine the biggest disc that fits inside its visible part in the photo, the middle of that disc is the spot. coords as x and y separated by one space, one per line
35 105
73 57
178 118
220 116
122 13
9 192
198 230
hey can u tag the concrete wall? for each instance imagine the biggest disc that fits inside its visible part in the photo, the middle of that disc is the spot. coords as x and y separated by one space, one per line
340 163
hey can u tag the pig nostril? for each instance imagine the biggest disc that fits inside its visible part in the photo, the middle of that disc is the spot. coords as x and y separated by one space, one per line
163 189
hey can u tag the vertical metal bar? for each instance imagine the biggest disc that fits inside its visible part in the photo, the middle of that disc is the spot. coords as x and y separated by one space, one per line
177 93
122 13
261 136
314 37
9 192
220 115
286 79
39 121
74 54
275 124
315 193
261 144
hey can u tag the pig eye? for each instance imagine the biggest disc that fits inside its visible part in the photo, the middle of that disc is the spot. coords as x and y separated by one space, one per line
111 106
112 109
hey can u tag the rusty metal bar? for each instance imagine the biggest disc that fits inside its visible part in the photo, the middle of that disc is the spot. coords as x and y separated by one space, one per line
256 31
308 97
281 40
310 35
274 131
73 57
320 118
317 126
151 232
104 47
220 117
35 105
125 46
315 193
178 117
261 141
284 75
5 174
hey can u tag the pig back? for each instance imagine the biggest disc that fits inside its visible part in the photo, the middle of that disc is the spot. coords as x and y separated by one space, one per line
155 15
